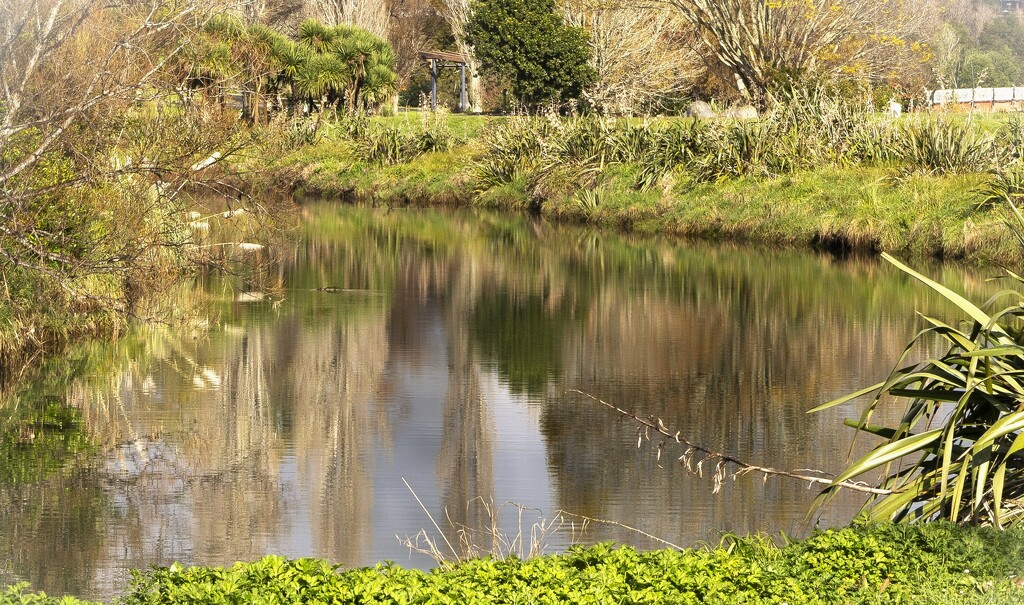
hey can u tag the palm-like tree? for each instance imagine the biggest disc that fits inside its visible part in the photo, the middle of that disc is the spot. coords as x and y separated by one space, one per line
259 57
324 64
322 77
368 63
317 36
212 58
212 66
379 85
292 58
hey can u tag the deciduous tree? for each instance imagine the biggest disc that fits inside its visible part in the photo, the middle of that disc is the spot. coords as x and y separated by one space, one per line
457 13
640 54
765 43
371 15
92 160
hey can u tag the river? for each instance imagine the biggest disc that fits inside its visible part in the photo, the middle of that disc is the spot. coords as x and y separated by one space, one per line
431 387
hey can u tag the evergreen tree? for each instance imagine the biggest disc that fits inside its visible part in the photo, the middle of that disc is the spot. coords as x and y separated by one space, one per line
528 46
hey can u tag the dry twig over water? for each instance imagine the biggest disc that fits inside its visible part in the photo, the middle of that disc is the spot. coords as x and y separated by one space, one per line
696 455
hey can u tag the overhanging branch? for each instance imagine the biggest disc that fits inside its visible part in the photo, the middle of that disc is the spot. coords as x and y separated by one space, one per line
723 460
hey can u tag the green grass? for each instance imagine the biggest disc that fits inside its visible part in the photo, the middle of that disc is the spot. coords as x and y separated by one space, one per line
881 564
857 207
466 126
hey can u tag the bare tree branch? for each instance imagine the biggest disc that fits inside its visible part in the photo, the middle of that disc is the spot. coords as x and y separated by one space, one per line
763 42
640 53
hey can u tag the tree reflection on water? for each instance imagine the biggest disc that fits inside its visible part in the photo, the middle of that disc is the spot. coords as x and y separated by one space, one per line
444 359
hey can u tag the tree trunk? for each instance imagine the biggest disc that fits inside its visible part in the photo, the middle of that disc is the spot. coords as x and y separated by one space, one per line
256 103
476 86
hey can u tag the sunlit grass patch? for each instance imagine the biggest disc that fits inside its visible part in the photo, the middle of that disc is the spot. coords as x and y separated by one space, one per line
826 175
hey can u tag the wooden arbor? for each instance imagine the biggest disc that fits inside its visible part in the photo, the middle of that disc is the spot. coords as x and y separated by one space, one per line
439 60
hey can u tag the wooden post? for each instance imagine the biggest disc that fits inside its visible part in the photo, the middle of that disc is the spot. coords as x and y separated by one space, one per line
439 60
433 85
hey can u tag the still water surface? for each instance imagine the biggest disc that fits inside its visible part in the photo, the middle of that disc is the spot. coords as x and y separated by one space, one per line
445 361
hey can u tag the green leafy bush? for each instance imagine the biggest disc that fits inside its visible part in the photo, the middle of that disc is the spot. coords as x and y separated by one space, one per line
528 45
935 563
19 594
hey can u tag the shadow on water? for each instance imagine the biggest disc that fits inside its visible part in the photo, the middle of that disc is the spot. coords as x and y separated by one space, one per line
438 347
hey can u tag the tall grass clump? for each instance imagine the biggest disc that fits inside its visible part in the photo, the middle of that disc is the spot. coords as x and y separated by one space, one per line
657 153
389 144
384 145
1010 138
832 130
1005 184
435 133
745 148
512 152
804 130
941 146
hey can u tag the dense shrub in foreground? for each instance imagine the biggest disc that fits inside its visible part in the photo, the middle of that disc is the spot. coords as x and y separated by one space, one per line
928 563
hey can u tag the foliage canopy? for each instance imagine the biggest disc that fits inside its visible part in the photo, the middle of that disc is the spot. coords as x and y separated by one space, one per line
995 59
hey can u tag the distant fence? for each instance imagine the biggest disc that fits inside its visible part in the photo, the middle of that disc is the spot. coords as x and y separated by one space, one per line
986 99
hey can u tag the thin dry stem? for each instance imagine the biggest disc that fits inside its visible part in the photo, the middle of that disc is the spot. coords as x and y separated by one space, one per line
723 460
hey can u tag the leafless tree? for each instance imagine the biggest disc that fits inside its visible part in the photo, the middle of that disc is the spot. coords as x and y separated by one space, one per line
764 41
282 14
36 60
640 53
947 49
970 14
413 24
457 14
371 15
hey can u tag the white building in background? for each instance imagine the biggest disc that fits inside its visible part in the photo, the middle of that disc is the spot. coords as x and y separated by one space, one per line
978 99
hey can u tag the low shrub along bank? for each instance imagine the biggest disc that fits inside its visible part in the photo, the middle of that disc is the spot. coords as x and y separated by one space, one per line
929 563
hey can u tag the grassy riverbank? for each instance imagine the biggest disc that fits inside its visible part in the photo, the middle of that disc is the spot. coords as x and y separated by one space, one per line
874 187
927 564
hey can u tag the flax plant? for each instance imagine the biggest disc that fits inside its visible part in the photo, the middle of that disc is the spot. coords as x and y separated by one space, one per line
944 147
958 451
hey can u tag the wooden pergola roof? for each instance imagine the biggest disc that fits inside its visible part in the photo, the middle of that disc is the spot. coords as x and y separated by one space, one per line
443 56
